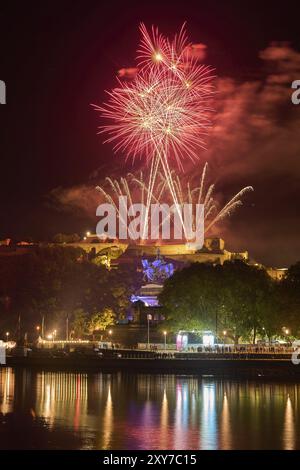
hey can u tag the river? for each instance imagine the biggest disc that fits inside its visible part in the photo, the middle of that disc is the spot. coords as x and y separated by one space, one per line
64 410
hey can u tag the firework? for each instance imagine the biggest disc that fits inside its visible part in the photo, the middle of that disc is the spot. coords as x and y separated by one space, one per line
165 109
136 189
163 114
204 194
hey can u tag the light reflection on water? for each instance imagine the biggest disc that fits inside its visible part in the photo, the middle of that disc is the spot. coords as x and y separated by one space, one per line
61 410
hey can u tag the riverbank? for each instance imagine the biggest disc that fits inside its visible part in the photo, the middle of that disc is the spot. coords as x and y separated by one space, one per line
277 366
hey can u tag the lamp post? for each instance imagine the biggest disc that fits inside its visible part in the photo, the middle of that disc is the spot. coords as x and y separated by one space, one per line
67 328
286 331
224 334
7 335
149 317
110 332
165 335
43 326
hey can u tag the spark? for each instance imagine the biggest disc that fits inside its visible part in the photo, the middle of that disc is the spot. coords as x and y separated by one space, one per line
163 115
157 56
136 188
140 112
204 194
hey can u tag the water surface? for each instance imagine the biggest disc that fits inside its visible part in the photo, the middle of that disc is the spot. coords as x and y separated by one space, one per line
61 410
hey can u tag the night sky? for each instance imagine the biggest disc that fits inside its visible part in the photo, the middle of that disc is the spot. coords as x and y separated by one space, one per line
58 57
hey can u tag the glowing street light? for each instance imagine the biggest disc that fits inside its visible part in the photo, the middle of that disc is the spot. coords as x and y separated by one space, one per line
88 233
110 332
285 330
149 318
38 328
7 335
165 335
50 336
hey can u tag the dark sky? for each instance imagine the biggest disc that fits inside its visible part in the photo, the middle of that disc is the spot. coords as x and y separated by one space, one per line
58 57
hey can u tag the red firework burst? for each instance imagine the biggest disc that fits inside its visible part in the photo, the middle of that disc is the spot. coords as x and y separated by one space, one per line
164 112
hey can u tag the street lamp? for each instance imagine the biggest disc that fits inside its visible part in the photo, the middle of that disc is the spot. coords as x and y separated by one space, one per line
149 317
110 332
7 335
88 233
224 334
165 335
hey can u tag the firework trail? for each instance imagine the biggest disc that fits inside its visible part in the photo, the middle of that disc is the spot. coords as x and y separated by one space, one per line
136 188
204 194
163 114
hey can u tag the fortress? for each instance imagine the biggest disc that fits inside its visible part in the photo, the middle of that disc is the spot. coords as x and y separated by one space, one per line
213 250
113 253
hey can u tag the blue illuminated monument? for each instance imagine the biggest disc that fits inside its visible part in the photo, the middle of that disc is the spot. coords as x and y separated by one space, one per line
155 273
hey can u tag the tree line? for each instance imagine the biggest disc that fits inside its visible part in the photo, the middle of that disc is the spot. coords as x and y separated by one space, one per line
235 299
59 284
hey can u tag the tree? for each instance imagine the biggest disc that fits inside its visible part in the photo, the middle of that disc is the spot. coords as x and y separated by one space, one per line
190 298
100 321
79 323
247 294
236 297
272 318
290 298
66 238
